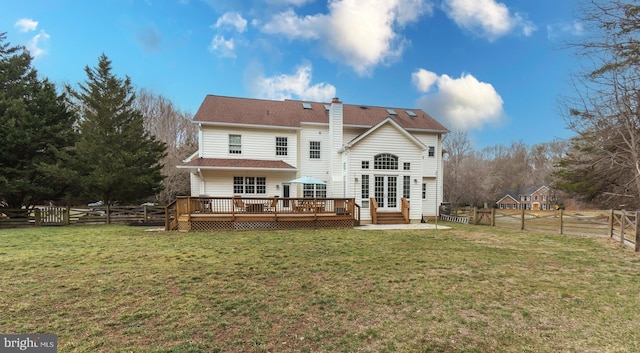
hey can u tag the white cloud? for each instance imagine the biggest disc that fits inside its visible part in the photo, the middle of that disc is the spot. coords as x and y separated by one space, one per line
222 46
359 34
26 25
231 20
554 31
34 45
295 86
487 18
423 79
287 23
460 103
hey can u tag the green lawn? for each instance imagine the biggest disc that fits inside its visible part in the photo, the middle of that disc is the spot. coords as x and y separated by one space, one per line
469 289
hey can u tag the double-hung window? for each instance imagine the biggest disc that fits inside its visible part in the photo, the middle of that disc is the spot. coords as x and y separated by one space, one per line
249 185
314 149
314 190
281 146
235 144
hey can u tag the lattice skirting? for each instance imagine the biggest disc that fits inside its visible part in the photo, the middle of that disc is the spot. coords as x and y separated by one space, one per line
207 226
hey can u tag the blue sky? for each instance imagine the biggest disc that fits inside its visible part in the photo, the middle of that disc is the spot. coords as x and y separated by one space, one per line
491 67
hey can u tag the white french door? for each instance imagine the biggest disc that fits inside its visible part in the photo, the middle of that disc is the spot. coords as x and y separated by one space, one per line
386 192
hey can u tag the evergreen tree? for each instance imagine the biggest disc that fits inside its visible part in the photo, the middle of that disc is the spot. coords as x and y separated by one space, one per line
36 132
117 159
603 165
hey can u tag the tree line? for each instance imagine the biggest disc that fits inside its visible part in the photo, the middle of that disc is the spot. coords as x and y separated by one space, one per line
99 140
103 141
600 165
479 178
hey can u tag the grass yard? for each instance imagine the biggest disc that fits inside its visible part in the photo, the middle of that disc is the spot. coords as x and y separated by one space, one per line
469 289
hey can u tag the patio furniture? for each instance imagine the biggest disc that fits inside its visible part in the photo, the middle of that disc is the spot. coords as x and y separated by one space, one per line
239 204
271 206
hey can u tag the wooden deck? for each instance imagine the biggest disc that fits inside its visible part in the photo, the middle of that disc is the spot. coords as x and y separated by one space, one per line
245 213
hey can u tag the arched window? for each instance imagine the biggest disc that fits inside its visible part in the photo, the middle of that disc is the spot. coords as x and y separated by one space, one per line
385 161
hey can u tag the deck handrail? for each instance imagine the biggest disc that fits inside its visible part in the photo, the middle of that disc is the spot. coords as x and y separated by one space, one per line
273 205
374 210
406 209
169 223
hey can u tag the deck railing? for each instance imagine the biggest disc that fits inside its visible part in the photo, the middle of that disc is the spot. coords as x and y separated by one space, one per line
406 209
246 208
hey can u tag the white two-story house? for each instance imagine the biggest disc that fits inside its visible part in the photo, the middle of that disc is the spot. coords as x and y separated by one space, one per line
254 147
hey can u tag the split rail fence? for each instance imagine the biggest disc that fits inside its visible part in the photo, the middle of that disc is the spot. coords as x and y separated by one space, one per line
61 216
620 225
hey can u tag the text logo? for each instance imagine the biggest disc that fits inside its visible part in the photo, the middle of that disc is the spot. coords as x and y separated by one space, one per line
32 343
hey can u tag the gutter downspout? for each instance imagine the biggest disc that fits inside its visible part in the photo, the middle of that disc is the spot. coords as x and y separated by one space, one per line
202 185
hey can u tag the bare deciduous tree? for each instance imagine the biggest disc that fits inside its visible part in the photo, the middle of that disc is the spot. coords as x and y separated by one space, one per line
173 127
604 163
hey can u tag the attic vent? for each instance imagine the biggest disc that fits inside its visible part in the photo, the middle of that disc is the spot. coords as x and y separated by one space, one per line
306 106
411 113
391 111
327 107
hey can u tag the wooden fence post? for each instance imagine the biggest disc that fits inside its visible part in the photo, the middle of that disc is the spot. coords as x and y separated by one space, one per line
493 217
38 216
522 219
622 225
67 216
475 215
635 229
108 214
145 217
611 223
561 222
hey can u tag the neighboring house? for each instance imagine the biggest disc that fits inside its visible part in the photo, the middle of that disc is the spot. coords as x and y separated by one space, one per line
254 147
529 198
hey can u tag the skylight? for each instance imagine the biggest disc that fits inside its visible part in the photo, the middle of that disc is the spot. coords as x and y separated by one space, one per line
411 113
306 105
391 111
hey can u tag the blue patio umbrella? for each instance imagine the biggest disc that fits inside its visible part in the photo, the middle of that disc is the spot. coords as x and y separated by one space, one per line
307 180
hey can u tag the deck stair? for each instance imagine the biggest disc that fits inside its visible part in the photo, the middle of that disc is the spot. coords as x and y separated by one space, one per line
390 218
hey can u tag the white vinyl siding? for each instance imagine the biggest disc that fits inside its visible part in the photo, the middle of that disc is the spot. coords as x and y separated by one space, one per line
430 164
256 144
314 167
378 142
